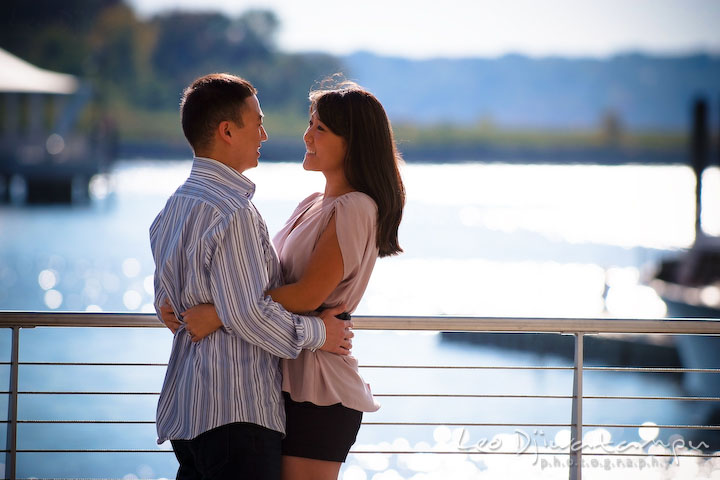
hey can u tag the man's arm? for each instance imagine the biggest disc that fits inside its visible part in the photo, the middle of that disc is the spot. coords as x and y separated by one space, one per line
238 278
202 320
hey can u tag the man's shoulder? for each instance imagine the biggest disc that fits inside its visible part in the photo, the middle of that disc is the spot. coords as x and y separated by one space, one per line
222 199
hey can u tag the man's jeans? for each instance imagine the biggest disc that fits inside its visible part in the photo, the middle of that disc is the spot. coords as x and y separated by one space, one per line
233 451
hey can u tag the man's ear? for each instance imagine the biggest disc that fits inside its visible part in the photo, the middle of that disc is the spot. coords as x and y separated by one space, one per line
224 131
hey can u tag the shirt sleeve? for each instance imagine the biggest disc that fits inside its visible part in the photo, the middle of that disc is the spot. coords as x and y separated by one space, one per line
238 279
161 292
355 224
160 296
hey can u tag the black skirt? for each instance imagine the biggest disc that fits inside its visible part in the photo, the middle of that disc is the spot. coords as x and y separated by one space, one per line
319 432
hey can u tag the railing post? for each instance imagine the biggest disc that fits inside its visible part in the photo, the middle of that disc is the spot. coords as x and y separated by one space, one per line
577 422
11 460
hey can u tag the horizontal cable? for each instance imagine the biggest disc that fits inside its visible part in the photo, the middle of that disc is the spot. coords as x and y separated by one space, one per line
405 424
629 397
442 367
84 393
410 395
93 364
91 450
653 369
467 367
549 425
632 425
404 452
533 452
468 395
427 395
89 422
418 367
465 424
448 424
361 322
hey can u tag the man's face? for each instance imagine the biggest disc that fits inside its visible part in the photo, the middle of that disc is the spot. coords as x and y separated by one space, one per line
247 139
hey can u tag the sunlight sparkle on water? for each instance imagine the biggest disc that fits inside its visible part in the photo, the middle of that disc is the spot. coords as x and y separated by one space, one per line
53 299
354 473
539 458
649 431
99 186
462 287
576 204
131 267
711 201
132 300
149 284
47 279
628 299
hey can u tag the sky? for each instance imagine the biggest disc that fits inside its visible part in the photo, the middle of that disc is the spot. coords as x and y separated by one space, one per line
481 28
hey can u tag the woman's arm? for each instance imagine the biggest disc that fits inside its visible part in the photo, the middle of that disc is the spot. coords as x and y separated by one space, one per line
323 274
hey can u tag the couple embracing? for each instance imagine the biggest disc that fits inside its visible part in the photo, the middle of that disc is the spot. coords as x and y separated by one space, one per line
260 382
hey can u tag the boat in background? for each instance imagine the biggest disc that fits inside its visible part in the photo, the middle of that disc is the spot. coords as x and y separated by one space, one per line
44 156
689 283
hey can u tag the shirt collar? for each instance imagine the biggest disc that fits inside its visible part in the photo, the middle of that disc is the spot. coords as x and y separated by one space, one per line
219 172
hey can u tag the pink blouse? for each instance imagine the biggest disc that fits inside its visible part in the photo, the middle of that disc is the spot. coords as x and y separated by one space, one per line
320 377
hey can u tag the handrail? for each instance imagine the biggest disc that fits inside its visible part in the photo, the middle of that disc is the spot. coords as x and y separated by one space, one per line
678 326
578 327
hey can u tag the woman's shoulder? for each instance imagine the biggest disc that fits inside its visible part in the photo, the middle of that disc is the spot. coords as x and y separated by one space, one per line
310 198
355 211
357 201
307 201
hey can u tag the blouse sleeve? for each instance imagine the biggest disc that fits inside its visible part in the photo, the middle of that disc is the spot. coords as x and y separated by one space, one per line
355 223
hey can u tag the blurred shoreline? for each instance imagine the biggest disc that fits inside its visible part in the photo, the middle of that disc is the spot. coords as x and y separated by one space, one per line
282 149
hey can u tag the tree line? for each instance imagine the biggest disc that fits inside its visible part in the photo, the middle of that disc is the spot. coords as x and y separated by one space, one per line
144 64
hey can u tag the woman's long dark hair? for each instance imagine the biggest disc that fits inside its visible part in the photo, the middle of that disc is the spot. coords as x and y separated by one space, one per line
372 159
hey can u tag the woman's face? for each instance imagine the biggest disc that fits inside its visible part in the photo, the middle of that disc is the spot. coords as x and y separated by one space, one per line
325 151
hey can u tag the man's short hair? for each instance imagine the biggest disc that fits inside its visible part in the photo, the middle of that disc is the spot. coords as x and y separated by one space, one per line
209 100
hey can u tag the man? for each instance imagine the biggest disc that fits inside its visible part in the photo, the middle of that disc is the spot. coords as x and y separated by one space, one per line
221 404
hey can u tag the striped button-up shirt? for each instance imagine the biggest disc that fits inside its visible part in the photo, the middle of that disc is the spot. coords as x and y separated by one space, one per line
210 245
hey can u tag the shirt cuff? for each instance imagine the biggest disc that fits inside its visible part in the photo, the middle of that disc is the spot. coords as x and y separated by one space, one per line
314 330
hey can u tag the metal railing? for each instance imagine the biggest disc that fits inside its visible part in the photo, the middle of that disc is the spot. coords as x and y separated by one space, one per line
578 328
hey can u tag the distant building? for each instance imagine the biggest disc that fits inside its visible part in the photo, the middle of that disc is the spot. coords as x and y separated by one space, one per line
43 156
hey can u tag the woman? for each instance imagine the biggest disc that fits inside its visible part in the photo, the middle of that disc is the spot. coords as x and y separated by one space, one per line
327 250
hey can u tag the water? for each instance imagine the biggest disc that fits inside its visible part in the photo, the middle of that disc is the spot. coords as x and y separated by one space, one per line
479 239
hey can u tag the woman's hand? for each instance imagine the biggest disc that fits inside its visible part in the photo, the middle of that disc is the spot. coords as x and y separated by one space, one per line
201 320
167 316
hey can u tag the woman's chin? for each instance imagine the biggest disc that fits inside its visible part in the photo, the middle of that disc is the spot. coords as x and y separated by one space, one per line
308 163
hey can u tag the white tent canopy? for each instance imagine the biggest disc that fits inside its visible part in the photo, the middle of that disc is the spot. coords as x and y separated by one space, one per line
19 76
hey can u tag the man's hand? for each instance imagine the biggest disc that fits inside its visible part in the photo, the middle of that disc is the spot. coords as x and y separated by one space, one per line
338 333
167 316
201 320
